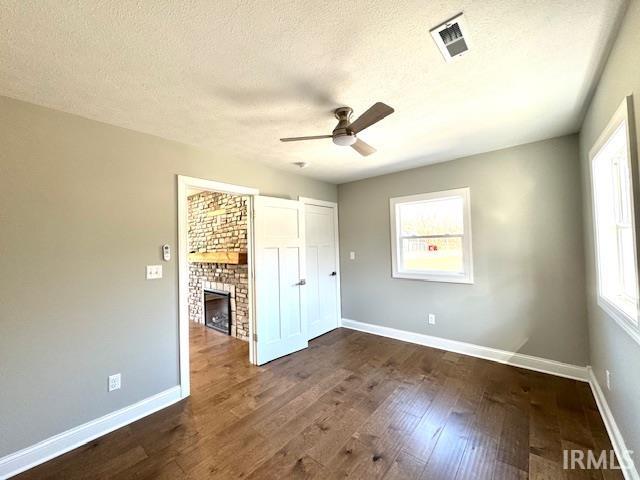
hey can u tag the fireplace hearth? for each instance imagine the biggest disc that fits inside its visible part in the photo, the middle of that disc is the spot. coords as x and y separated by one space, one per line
217 310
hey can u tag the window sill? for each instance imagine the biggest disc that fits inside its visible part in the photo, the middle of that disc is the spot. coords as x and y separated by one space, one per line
621 318
433 277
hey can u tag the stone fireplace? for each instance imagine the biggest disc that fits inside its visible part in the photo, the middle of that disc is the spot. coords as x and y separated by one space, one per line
217 222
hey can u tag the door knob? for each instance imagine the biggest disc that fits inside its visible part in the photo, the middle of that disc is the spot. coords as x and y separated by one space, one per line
301 282
332 274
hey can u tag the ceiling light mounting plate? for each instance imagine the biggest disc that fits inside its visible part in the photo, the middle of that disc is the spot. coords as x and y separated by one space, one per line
343 113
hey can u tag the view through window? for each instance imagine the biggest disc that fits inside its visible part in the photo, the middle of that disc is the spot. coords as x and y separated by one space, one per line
431 234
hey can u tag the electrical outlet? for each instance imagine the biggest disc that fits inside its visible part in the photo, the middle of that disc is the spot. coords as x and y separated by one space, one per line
352 255
154 272
115 382
608 373
432 319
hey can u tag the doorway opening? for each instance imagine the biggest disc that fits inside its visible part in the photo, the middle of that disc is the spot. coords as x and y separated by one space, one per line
215 253
221 242
218 227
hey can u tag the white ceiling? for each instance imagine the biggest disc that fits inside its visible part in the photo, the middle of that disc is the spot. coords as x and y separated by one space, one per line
235 76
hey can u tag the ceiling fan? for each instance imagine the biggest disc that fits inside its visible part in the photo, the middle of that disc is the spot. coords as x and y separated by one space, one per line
345 132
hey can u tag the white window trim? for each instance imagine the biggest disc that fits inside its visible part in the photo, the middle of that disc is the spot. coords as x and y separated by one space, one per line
467 277
622 114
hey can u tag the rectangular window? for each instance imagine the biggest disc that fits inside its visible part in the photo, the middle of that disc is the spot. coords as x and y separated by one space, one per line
431 237
614 224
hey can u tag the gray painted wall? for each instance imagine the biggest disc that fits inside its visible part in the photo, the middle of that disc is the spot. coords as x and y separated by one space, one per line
84 207
528 295
610 347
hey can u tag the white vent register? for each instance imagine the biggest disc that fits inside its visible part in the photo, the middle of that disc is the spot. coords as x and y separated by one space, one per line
452 38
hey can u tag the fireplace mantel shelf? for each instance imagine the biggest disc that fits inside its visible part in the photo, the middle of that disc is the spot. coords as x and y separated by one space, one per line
233 258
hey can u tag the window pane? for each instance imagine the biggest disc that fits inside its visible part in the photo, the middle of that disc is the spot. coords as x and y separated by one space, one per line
432 217
628 277
622 188
432 255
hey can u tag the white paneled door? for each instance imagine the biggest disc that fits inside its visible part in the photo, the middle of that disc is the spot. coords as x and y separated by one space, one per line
280 283
322 276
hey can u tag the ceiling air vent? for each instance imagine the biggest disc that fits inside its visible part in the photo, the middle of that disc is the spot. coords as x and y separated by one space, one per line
452 37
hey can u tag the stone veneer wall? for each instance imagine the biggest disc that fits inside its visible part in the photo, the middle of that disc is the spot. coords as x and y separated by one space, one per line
218 222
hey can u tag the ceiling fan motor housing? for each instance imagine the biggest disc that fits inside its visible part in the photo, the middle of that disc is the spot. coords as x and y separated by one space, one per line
341 134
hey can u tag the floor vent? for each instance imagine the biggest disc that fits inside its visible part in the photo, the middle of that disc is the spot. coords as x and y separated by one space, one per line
452 38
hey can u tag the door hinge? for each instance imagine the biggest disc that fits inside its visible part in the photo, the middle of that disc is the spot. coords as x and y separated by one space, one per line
255 337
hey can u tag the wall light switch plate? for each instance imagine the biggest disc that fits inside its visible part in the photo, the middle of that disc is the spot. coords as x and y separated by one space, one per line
115 382
432 319
154 272
352 255
608 374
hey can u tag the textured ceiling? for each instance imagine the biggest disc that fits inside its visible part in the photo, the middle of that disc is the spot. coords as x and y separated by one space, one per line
235 76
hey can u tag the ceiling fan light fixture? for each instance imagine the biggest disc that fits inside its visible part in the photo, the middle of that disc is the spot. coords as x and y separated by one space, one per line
344 140
344 134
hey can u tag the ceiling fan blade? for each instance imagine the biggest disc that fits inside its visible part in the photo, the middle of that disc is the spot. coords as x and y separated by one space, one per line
363 148
376 113
297 139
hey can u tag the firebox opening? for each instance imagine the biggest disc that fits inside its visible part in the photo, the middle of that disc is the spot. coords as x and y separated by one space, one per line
217 310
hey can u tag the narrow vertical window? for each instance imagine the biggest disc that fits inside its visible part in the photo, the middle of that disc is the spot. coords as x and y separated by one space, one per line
614 225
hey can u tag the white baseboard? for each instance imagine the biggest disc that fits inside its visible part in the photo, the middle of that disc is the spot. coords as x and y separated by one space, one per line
52 447
617 440
502 356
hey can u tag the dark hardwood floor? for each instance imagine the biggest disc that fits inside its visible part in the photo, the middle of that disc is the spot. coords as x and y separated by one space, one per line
353 405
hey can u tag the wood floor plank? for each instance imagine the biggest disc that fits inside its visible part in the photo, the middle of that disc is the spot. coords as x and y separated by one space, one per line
513 448
479 458
405 467
571 416
504 471
425 437
347 459
544 430
447 455
353 406
580 473
544 469
381 446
